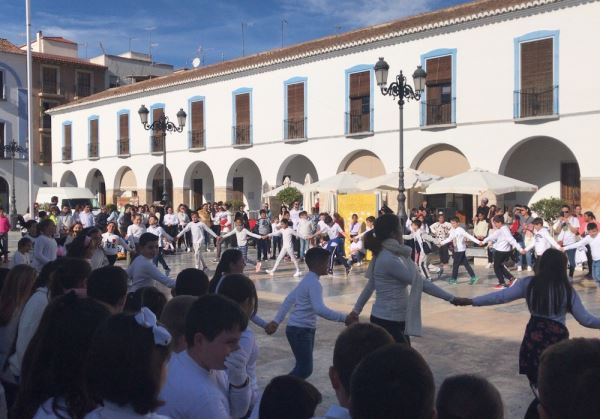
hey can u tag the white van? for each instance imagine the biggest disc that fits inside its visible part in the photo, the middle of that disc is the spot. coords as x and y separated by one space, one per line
67 196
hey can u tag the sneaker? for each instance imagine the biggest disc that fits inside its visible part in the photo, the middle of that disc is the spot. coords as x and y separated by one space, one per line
441 272
529 269
258 265
452 281
473 280
511 282
519 268
167 272
216 260
500 287
270 271
329 272
188 250
297 273
348 270
490 265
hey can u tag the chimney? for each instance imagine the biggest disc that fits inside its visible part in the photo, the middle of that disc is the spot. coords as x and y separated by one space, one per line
38 39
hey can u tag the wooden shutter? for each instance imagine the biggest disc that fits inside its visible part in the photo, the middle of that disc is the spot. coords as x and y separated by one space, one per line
124 126
197 116
94 131
537 66
295 99
439 70
242 109
67 136
156 114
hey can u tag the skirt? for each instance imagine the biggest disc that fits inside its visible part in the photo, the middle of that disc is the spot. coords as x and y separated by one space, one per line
540 333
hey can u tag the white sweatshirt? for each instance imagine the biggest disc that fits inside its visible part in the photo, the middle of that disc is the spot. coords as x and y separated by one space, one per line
44 251
143 273
110 243
134 232
286 235
593 242
542 241
160 233
458 236
241 236
197 230
503 240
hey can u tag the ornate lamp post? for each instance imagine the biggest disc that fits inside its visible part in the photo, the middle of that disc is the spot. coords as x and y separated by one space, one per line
403 91
163 125
13 148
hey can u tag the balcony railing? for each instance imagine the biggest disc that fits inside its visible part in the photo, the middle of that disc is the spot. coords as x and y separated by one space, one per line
358 122
45 149
197 139
157 143
123 147
241 134
295 128
67 154
536 102
93 150
436 113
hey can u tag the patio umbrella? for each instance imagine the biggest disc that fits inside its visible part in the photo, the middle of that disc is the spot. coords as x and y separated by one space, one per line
479 181
343 182
274 192
412 179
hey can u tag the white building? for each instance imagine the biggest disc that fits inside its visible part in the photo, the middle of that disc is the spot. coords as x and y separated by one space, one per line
130 67
13 126
505 92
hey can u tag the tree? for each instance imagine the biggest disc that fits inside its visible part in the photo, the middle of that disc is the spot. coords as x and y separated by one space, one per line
548 208
288 195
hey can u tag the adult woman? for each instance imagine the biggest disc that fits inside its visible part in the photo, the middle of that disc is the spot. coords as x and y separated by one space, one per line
15 292
128 349
52 379
390 273
74 231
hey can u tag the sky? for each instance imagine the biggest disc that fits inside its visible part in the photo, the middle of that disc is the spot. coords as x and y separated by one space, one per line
177 31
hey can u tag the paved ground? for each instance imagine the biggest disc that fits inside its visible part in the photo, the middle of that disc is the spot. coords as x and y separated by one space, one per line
455 340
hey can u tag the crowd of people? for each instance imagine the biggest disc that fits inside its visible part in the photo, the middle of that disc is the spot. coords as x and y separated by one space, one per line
83 338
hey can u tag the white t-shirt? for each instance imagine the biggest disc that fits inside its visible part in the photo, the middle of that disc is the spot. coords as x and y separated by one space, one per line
191 392
566 235
197 230
134 232
143 273
114 411
286 237
241 236
21 259
111 242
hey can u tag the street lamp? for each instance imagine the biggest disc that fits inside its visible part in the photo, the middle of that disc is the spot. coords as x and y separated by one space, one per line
401 90
163 124
13 148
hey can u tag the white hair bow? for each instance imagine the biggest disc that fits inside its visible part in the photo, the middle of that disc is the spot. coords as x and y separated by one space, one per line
146 318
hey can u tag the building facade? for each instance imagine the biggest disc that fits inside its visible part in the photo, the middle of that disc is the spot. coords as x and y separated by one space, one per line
503 93
130 67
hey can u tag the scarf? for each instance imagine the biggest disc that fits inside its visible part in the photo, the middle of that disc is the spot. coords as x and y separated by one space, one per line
413 313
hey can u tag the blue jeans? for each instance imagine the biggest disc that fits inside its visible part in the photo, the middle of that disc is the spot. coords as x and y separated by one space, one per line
302 342
596 270
571 257
303 247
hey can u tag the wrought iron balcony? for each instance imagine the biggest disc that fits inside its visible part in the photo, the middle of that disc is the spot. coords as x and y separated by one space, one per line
93 150
295 129
157 143
67 154
242 134
123 147
437 113
358 122
535 102
197 139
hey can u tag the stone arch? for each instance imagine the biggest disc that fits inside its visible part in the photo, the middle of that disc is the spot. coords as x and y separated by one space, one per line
154 184
296 166
244 183
362 162
198 185
546 162
68 179
95 182
125 186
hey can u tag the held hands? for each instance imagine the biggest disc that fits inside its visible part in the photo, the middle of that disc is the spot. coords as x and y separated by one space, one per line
235 364
460 301
271 328
351 318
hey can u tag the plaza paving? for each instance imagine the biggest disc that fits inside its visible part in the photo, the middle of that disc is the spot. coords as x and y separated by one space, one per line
455 339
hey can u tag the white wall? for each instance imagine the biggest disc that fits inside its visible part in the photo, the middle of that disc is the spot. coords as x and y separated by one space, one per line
485 133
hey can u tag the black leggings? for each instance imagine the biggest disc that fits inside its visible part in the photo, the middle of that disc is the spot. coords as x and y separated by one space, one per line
460 258
499 268
396 329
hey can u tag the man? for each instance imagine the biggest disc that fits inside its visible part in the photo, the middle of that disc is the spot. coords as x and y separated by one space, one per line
197 385
483 208
351 346
268 211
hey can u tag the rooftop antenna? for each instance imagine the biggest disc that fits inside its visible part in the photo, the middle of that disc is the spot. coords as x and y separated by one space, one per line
150 44
338 29
85 45
131 38
102 48
222 56
243 39
283 22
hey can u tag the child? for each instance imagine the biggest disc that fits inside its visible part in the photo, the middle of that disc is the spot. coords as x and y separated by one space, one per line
263 227
286 233
467 397
21 256
173 317
336 244
422 248
275 240
355 226
142 271
111 242
46 247
191 281
594 242
357 251
304 231
127 349
241 289
457 237
197 228
542 240
306 302
289 397
159 232
4 229
134 232
503 246
441 230
241 235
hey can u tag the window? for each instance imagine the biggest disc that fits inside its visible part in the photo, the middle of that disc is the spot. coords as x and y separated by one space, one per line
45 119
84 83
536 93
438 104
158 137
197 124
66 150
123 146
358 119
45 148
50 80
113 81
242 131
295 122
93 138
2 137
2 87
